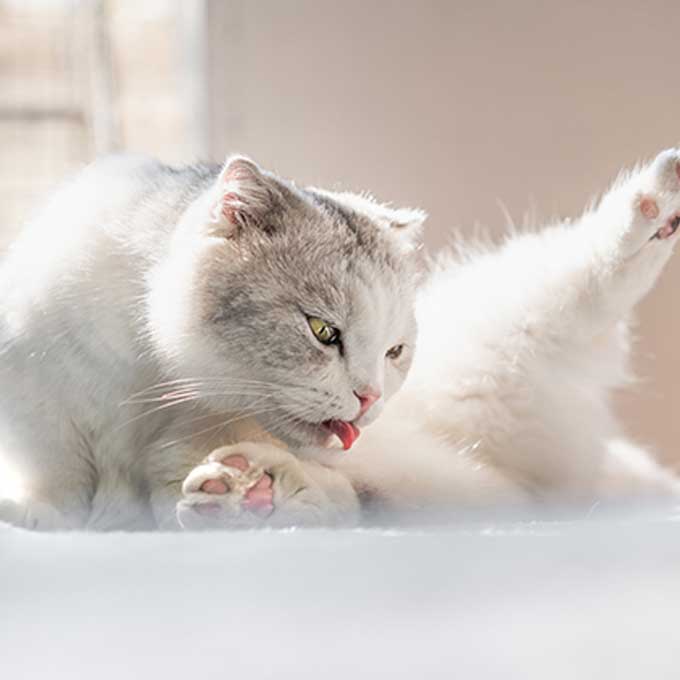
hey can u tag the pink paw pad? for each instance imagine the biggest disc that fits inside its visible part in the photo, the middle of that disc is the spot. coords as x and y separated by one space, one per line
649 208
236 461
215 486
258 499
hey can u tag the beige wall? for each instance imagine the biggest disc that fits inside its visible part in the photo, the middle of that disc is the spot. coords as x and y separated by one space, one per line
458 106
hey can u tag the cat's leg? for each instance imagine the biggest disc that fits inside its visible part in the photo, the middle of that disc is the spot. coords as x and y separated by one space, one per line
628 238
626 241
532 339
615 252
34 515
254 485
53 491
564 288
568 283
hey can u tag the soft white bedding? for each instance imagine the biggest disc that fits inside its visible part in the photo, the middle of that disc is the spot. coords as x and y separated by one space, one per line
591 599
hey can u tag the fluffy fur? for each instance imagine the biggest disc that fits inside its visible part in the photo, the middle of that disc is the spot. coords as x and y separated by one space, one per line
150 311
520 346
507 400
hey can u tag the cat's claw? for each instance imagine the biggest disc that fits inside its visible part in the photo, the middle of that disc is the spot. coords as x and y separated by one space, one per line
668 229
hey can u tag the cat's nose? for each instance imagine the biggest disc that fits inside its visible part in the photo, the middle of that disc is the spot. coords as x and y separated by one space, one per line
367 397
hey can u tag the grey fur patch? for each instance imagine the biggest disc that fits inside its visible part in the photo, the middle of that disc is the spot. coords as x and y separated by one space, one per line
295 253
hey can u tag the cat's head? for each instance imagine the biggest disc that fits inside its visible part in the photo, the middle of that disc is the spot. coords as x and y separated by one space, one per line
291 305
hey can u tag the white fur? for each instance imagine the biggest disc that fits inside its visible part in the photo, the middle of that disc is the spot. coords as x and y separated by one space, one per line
507 400
519 347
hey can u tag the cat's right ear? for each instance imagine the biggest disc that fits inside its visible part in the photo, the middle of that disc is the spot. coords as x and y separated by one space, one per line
406 225
243 196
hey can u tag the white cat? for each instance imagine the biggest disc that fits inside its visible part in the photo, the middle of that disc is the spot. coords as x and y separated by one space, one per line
151 312
519 348
507 400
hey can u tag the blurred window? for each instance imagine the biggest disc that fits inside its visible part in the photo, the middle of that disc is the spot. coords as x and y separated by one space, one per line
81 77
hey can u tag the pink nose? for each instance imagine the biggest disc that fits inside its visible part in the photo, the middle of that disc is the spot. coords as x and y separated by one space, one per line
366 399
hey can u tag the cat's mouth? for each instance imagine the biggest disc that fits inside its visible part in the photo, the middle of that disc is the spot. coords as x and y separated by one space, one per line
324 433
347 432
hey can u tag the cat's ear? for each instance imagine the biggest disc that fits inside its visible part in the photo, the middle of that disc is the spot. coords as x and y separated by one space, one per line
406 225
243 196
403 225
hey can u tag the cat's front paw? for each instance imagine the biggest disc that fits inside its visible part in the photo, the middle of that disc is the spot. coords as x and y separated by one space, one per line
250 485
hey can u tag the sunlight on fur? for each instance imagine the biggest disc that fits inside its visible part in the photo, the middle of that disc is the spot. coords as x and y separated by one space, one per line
127 411
11 484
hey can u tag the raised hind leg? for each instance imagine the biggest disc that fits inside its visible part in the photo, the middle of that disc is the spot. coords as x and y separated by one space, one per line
628 239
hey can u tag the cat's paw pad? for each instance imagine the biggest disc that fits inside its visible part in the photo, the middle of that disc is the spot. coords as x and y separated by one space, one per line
259 498
225 490
658 202
256 484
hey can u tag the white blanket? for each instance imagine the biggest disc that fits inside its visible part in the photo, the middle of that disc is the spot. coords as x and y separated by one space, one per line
593 599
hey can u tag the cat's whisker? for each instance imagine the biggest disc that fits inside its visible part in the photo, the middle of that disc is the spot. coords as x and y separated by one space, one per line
197 383
185 398
155 410
242 413
197 394
235 387
221 424
182 391
288 417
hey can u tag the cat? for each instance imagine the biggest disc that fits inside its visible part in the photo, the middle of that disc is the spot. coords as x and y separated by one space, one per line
149 312
506 401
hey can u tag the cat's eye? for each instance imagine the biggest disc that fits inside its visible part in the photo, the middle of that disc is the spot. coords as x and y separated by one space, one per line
394 352
323 332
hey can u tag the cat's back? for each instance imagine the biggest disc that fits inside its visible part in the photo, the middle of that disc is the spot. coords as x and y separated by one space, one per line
74 277
114 195
110 213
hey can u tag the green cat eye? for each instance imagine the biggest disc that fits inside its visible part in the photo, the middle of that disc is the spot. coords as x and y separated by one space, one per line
323 332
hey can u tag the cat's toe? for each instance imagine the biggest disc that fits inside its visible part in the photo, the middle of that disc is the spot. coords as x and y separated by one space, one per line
215 486
666 170
649 207
660 229
258 498
237 461
227 492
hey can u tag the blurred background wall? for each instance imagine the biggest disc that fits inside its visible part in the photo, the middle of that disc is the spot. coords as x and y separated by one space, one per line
470 109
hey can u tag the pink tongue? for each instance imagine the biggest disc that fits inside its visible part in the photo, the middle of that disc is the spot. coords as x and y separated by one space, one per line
346 432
